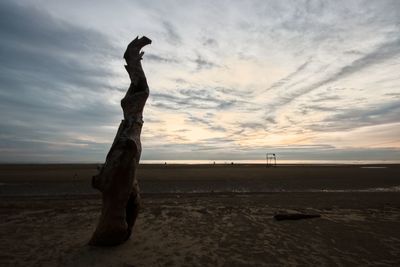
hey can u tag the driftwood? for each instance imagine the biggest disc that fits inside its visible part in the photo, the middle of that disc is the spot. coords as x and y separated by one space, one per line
117 177
295 216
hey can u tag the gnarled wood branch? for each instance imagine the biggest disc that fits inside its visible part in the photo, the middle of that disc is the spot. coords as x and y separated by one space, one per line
117 178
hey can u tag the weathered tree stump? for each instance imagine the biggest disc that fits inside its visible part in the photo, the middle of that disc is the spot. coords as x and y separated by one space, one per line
117 177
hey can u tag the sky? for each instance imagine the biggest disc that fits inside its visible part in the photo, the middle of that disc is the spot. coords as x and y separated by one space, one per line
228 79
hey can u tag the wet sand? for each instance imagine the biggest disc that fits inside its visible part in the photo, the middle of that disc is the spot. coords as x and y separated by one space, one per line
208 229
76 179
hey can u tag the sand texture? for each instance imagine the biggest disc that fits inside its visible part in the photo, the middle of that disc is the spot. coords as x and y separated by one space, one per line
208 230
206 216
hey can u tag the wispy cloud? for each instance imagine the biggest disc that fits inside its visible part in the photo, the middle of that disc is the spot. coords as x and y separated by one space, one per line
285 81
171 33
161 59
351 118
204 121
193 99
202 63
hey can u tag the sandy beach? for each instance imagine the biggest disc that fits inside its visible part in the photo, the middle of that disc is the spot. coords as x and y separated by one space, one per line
67 179
359 223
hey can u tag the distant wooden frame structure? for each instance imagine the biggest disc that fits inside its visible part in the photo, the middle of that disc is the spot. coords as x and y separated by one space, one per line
271 159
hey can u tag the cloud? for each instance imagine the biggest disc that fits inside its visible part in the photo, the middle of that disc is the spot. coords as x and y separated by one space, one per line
41 51
193 99
252 126
210 42
161 59
202 63
393 94
52 78
385 51
211 125
172 35
282 82
352 118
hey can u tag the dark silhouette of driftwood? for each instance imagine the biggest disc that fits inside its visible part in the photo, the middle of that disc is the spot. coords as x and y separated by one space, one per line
117 177
295 216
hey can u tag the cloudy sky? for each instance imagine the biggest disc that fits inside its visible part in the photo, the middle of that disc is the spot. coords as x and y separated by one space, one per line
228 79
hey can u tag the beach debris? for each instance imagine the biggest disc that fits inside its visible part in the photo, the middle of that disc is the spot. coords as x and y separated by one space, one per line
117 177
281 216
